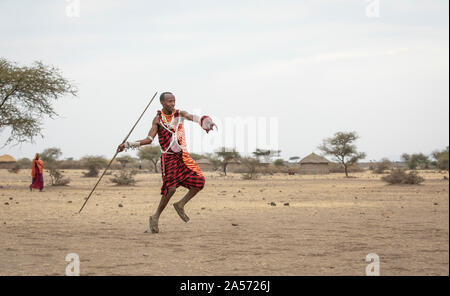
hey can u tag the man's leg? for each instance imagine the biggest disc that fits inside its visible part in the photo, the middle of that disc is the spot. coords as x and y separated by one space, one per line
179 206
162 204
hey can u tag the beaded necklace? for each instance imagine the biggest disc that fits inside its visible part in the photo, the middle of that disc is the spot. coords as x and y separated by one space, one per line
168 119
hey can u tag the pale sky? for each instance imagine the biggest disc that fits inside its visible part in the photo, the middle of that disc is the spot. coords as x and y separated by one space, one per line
312 67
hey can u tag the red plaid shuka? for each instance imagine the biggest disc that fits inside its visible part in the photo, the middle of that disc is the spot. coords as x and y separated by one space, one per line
177 167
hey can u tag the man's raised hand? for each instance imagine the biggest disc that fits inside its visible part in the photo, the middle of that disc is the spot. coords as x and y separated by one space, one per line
121 147
207 124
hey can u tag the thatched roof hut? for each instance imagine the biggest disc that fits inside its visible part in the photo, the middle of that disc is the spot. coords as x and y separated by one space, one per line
7 161
314 158
205 164
234 165
314 164
5 158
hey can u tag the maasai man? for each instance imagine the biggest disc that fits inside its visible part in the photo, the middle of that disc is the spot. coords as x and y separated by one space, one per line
177 167
37 173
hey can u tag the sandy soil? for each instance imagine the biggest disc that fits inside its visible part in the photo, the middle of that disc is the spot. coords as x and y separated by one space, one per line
329 227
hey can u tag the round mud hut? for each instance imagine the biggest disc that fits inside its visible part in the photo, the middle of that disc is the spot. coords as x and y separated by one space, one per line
7 161
314 164
205 164
234 166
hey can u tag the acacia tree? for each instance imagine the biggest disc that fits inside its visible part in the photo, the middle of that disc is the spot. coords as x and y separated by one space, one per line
294 158
124 160
266 154
151 153
416 161
342 148
93 164
226 156
442 159
26 97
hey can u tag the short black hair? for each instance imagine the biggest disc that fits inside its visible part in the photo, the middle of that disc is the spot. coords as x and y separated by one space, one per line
161 97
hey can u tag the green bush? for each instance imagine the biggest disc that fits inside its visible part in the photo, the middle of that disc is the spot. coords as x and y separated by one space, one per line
442 159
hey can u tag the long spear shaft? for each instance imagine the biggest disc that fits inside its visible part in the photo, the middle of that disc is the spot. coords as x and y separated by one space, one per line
107 167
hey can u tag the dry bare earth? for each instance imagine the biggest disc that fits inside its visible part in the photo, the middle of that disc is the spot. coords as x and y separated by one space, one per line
329 227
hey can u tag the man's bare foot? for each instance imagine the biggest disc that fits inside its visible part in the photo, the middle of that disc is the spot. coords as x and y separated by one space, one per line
153 224
180 210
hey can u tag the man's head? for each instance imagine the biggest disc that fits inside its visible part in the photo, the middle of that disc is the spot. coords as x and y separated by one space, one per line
167 100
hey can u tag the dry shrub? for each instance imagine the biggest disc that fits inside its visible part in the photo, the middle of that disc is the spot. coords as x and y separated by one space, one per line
399 176
93 172
57 178
125 178
251 168
383 165
248 176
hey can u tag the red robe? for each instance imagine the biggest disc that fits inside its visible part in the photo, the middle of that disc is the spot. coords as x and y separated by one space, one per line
37 174
177 167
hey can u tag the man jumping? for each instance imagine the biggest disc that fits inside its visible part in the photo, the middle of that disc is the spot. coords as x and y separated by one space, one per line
177 167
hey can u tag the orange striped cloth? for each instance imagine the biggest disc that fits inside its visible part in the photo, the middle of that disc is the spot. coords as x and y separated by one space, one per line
187 159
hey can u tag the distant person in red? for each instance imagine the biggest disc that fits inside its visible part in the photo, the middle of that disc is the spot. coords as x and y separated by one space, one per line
37 173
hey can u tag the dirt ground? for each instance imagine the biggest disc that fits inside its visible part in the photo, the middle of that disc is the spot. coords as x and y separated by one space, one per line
328 228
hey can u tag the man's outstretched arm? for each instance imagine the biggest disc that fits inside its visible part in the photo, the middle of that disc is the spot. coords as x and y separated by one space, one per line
151 135
205 121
